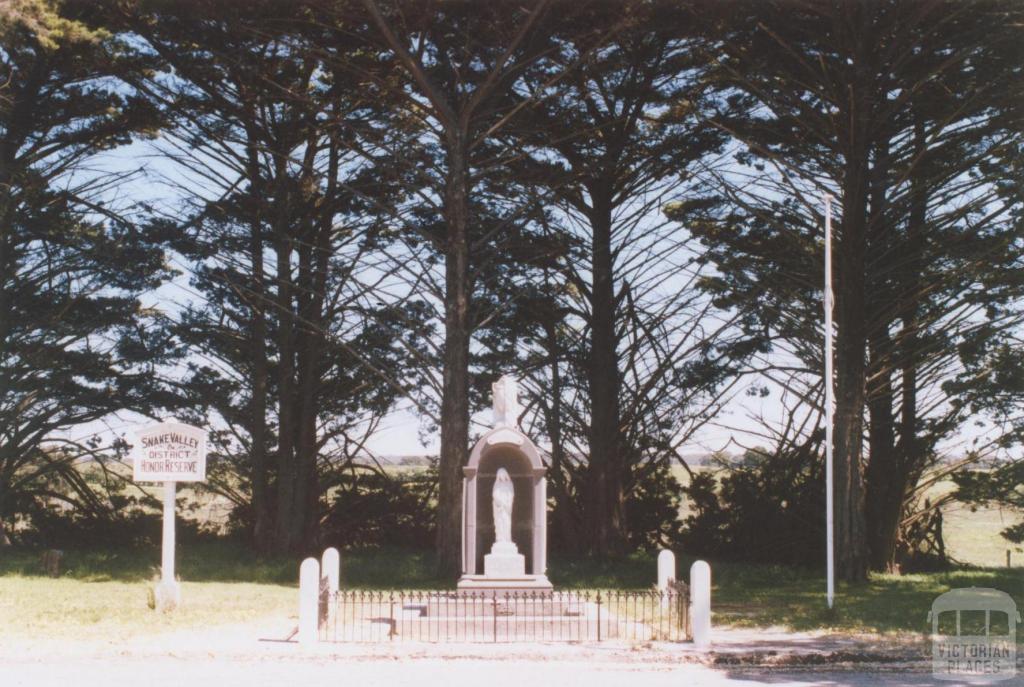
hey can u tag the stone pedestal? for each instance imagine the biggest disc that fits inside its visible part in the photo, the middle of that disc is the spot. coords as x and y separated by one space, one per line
504 561
504 573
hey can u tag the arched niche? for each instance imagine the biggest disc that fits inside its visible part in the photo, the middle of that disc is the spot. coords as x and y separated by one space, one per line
507 448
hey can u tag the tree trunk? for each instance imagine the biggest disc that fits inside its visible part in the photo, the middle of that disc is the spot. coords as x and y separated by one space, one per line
304 524
258 412
455 384
287 508
314 324
566 521
892 474
307 354
262 522
909 448
885 481
851 325
885 477
850 377
605 498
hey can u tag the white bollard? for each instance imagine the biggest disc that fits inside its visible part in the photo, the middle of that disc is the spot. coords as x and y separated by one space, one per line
309 601
666 569
700 604
330 567
330 570
666 573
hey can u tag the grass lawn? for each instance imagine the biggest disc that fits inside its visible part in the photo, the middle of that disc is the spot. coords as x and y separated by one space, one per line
104 594
749 596
68 608
758 596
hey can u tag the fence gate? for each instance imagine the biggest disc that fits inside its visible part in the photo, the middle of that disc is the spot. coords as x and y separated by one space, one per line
450 616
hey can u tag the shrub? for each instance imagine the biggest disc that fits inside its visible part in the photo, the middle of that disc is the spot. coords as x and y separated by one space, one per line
652 510
380 509
765 511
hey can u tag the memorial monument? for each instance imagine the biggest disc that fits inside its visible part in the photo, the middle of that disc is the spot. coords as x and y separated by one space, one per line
504 505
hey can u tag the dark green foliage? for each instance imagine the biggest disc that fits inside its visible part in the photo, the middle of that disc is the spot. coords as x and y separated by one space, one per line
652 510
75 343
294 358
908 114
56 528
771 512
992 380
374 509
652 505
611 331
768 508
118 513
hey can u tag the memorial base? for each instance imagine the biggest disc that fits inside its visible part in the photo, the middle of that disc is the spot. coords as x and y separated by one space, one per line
491 586
504 561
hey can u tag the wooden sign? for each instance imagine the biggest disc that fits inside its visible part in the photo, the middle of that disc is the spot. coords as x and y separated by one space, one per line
170 452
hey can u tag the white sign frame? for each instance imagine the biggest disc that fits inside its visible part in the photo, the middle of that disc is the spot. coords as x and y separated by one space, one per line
181 448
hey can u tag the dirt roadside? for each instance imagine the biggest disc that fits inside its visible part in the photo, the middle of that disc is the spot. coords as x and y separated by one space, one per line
266 641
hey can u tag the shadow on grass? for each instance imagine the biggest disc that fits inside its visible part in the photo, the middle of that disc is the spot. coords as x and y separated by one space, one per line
758 596
198 562
225 561
632 572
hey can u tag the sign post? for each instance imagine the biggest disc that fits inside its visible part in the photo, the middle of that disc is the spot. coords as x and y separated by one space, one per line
169 452
167 580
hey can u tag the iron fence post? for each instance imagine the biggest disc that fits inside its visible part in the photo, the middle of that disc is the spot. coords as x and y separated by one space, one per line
391 616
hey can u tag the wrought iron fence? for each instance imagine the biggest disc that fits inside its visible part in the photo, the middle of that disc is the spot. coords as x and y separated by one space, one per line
562 616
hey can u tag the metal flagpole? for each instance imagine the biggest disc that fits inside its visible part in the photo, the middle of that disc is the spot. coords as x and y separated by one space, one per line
829 517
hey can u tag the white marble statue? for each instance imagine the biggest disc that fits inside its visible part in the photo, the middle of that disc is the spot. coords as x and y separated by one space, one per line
506 402
502 495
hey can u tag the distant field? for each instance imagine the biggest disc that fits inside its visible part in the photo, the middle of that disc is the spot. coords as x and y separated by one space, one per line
973 536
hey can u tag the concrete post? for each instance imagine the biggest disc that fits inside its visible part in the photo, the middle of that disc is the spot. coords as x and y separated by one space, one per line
168 592
700 604
309 601
666 573
330 570
666 569
330 567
